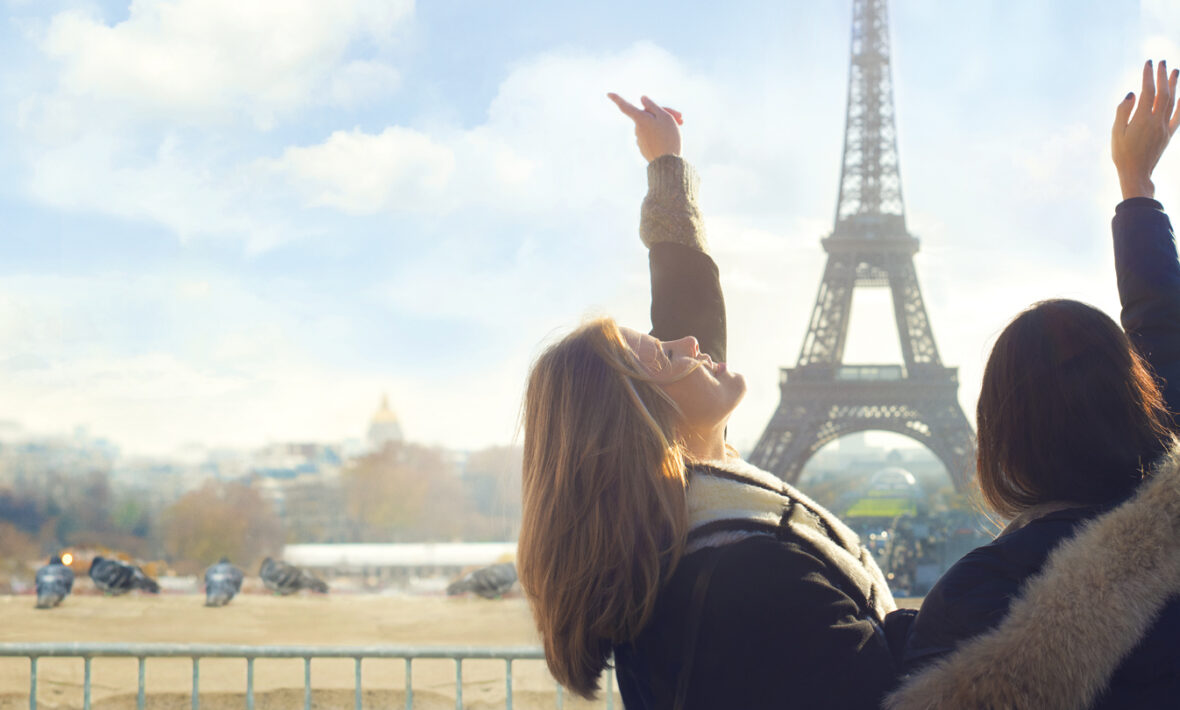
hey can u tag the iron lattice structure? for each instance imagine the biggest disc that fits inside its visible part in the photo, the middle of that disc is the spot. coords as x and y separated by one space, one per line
822 397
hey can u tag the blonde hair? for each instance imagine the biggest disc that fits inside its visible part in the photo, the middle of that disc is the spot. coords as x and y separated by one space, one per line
604 516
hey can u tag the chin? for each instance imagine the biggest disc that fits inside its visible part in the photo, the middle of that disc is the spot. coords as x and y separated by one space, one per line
740 384
739 390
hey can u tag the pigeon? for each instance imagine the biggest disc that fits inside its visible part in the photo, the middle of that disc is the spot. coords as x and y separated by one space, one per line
54 582
284 579
116 577
222 582
488 582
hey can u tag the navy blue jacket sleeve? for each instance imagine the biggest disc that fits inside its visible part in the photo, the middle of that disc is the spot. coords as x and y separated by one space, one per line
686 297
1149 289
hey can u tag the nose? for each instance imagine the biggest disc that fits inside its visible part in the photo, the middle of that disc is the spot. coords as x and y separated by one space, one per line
693 346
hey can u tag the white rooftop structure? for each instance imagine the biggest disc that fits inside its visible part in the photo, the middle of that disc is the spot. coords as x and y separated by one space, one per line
410 554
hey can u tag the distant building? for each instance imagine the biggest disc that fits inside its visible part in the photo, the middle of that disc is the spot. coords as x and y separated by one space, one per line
384 427
25 461
301 481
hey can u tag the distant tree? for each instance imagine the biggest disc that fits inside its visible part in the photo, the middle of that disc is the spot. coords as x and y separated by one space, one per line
219 519
16 544
86 507
404 492
492 477
17 549
132 516
59 510
21 511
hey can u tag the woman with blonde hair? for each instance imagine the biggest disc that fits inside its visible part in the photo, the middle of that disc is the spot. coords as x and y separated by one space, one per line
715 584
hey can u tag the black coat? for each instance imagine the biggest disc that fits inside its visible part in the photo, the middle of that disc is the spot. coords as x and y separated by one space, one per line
975 594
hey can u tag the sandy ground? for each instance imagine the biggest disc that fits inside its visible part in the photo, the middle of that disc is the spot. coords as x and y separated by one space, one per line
257 619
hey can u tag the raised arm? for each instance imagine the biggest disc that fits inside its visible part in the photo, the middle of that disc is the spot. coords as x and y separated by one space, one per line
1144 245
686 294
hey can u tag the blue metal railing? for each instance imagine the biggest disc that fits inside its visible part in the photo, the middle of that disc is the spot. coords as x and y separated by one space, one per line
144 651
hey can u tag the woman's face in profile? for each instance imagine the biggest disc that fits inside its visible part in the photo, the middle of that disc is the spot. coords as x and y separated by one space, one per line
706 392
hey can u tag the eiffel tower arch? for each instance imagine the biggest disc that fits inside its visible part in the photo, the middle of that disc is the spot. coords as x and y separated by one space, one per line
822 397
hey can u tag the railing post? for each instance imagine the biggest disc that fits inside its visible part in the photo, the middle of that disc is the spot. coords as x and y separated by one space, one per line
250 683
560 696
196 683
86 683
409 684
307 683
610 689
508 683
459 683
358 704
140 699
32 683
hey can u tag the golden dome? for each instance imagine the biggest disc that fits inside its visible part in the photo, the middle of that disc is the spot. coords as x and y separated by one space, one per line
384 413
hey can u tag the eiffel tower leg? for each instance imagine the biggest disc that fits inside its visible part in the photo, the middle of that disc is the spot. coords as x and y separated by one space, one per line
783 451
913 325
828 331
954 443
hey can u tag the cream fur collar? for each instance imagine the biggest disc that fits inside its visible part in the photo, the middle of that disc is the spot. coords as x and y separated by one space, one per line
733 489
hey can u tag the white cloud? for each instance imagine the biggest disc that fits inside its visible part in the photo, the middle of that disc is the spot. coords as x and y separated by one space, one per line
195 60
360 81
1160 20
155 118
549 138
398 169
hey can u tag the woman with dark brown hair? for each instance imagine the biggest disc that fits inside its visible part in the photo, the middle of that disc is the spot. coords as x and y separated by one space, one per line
1071 423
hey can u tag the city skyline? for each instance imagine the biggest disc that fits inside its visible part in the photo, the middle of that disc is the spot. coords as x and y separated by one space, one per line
241 224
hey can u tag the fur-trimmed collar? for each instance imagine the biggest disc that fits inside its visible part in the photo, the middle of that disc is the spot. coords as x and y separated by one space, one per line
1058 648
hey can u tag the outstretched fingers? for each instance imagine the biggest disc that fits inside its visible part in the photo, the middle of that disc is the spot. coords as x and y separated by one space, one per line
633 112
1147 94
1165 97
655 109
1122 114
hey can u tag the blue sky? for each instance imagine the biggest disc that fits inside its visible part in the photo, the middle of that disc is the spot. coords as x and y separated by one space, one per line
233 223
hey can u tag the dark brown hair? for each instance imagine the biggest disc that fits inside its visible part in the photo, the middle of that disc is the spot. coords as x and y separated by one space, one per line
1068 411
604 515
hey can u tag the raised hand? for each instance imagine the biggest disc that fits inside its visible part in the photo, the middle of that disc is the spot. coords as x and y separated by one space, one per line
657 128
1138 141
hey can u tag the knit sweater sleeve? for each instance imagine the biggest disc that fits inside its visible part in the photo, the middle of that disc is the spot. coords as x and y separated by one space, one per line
686 297
670 212
1149 289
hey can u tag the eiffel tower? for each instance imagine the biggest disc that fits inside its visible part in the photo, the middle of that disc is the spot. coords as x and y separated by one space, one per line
822 397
